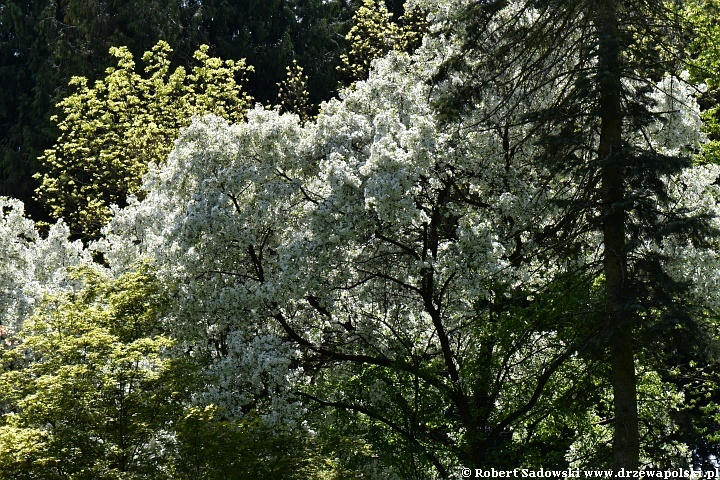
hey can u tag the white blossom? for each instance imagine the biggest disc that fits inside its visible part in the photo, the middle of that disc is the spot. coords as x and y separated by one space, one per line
32 265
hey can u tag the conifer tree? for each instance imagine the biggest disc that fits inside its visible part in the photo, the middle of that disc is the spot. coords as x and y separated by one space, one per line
606 53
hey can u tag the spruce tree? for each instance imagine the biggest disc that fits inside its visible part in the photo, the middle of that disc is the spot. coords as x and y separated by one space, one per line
608 54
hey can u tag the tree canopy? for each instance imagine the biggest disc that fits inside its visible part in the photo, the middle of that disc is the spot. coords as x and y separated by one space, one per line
112 130
44 44
496 249
383 247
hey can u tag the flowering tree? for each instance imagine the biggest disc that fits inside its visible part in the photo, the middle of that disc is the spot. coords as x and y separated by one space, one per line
387 265
407 282
32 266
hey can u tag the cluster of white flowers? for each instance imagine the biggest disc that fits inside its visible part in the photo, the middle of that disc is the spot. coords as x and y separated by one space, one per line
676 129
697 193
32 266
326 225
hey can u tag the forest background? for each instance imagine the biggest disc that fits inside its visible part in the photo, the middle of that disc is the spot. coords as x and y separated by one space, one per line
355 272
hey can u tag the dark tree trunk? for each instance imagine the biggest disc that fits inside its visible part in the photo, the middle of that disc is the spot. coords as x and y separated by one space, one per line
626 439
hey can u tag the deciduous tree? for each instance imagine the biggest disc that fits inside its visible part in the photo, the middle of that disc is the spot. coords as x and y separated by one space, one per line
374 33
113 129
379 263
704 64
90 385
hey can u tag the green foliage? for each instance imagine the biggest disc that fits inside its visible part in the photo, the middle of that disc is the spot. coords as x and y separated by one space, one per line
44 43
211 447
704 65
94 389
112 131
94 386
91 392
293 96
374 34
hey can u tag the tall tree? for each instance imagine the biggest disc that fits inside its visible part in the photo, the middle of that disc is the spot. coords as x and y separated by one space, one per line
605 53
613 159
